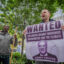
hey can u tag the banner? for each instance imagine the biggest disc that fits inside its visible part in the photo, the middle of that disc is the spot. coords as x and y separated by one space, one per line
45 42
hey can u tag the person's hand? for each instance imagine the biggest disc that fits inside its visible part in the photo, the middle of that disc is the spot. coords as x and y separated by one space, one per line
62 27
24 32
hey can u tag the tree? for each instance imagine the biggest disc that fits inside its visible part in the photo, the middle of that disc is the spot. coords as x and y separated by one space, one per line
17 12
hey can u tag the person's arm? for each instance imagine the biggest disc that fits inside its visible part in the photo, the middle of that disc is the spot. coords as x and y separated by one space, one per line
62 22
16 41
24 32
62 27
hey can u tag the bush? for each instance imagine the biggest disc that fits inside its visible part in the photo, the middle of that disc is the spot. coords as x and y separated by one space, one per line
17 58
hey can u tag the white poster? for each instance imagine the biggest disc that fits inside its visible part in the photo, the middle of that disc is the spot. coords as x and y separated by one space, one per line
45 42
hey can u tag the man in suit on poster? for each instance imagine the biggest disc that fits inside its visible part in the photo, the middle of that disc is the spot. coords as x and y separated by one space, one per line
43 54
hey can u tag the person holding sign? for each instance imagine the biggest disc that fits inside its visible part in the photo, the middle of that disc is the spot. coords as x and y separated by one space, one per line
45 15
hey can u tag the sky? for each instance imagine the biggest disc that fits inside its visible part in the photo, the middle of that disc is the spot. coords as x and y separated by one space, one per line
58 13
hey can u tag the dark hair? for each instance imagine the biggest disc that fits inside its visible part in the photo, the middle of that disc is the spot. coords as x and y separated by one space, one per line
47 10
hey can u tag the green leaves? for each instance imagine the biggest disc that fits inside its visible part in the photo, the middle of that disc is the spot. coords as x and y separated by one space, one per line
16 12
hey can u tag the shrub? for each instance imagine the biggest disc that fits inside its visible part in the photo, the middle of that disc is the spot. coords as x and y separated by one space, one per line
17 58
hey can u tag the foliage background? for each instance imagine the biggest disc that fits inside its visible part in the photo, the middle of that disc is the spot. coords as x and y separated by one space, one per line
25 12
